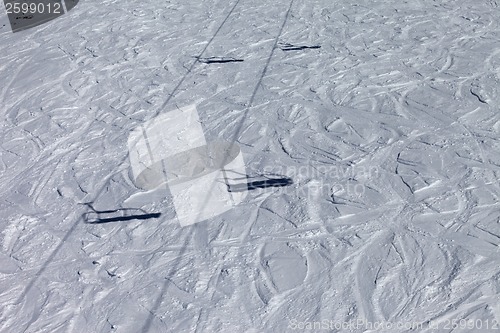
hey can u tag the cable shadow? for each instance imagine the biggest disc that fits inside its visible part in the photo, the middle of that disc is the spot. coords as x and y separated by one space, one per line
176 264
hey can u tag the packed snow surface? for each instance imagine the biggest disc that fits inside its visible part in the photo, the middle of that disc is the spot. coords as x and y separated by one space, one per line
379 121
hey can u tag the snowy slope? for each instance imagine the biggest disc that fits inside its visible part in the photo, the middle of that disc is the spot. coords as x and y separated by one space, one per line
390 132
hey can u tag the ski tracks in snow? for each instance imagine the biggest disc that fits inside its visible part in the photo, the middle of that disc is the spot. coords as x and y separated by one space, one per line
407 91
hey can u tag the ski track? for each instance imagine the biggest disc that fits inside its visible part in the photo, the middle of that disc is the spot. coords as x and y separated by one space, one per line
410 89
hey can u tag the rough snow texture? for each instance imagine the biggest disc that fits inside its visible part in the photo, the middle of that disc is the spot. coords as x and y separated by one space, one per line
409 89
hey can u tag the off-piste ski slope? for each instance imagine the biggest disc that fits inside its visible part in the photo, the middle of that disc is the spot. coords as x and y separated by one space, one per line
384 114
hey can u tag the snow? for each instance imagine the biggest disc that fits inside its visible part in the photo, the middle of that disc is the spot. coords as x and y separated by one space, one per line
382 114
